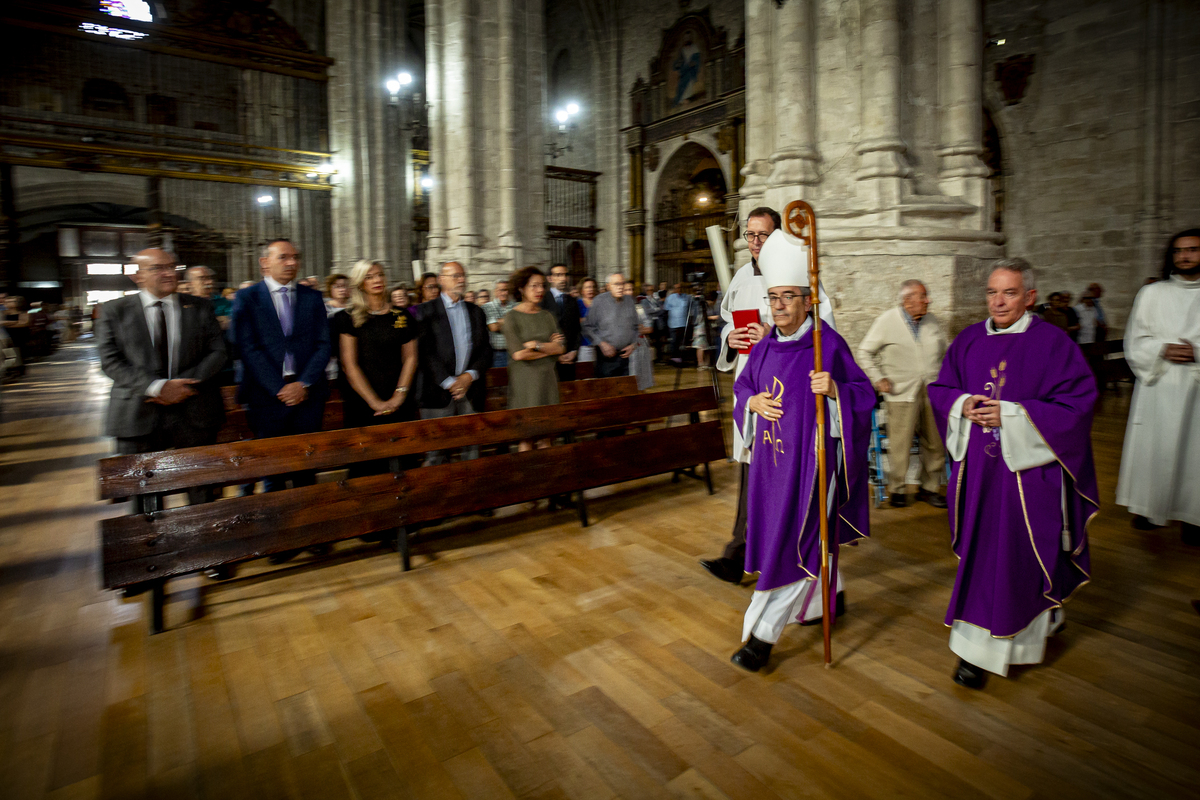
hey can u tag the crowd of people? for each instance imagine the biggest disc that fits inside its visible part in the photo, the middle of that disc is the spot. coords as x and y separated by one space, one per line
1012 396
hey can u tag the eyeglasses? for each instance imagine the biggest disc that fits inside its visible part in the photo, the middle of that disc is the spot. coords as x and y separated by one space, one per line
159 268
786 298
751 236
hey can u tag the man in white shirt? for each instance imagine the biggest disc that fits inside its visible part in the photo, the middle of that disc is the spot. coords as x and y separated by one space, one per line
1161 458
902 353
163 352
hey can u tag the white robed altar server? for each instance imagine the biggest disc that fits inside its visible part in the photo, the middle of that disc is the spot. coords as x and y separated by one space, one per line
1161 459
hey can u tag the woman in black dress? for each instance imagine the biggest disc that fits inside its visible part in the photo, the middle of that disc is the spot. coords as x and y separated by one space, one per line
377 348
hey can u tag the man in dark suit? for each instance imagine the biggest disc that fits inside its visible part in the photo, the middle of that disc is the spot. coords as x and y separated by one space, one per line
282 333
455 355
163 351
566 312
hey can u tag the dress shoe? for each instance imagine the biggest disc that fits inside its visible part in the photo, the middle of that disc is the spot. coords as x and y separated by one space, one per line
1190 534
221 573
753 655
284 557
969 675
933 498
899 500
1142 524
839 608
726 569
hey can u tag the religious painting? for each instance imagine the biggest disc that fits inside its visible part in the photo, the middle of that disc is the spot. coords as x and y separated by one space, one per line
686 64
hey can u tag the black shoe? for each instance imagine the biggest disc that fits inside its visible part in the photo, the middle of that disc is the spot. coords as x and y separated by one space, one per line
933 498
753 655
1190 534
969 675
725 569
1142 524
838 609
899 500
284 557
321 550
221 573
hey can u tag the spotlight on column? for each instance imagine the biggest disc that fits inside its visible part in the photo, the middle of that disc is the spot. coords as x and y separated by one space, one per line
405 78
265 199
562 115
427 182
572 109
393 86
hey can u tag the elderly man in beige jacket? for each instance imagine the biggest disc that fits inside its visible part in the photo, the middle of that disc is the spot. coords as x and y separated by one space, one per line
902 353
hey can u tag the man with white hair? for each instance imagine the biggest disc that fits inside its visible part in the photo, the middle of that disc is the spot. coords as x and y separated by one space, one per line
163 351
901 354
612 323
775 401
1014 403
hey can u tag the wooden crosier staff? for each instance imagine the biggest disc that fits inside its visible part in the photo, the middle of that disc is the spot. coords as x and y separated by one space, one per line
801 221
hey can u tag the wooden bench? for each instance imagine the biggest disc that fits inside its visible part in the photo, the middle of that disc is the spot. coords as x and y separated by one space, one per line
236 428
144 549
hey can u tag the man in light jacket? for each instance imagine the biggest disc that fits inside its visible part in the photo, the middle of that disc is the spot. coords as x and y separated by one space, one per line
901 354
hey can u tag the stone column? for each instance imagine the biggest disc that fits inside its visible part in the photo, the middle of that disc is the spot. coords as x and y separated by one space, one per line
487 114
881 148
459 52
510 144
365 136
435 90
760 102
795 155
962 172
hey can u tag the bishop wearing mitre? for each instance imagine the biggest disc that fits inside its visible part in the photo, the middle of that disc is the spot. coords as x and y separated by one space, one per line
775 405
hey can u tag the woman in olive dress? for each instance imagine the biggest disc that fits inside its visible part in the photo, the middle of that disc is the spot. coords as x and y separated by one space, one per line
534 344
377 348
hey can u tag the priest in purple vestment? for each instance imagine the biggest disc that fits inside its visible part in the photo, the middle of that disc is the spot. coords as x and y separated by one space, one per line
1014 404
775 404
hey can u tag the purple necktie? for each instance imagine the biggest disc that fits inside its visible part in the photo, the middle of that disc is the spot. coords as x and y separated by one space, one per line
285 319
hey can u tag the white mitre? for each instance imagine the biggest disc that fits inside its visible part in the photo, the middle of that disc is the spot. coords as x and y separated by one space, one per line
783 261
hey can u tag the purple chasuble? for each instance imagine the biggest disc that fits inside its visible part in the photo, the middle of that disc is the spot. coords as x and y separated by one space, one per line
1007 527
782 525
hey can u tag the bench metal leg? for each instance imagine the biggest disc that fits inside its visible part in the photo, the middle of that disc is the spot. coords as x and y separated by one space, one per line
581 506
402 546
708 477
158 598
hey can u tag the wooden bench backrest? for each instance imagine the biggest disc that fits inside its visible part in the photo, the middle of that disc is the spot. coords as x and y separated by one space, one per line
247 461
159 545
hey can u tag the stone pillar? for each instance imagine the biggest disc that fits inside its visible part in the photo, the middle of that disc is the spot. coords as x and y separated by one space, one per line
962 172
795 157
368 200
460 51
881 167
435 245
10 232
487 141
760 102
510 139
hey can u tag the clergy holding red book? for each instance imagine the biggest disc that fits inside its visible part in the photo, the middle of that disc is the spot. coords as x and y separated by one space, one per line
1014 404
775 405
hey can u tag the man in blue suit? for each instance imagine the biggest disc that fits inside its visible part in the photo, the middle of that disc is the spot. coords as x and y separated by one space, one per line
281 330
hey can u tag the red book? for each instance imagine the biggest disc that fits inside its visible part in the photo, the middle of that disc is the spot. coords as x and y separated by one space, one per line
743 318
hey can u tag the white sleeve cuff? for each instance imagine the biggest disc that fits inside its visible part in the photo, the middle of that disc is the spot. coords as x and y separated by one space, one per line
155 388
834 416
749 425
1020 443
958 430
446 384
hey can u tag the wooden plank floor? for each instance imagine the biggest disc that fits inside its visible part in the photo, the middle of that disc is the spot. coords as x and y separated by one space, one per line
526 657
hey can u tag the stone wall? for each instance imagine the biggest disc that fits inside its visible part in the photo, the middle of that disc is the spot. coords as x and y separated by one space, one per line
1100 150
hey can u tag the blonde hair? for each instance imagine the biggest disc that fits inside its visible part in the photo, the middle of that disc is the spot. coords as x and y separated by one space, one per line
357 307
